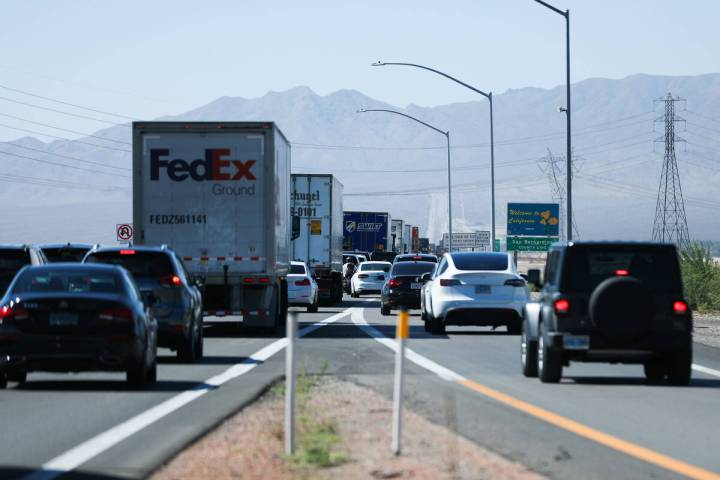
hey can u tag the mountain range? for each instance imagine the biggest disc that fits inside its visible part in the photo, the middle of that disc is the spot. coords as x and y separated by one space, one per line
78 190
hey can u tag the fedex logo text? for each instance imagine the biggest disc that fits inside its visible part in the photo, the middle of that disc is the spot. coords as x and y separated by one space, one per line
214 167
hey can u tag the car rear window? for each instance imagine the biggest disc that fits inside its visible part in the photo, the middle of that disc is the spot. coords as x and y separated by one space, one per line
412 268
139 264
297 269
416 258
65 254
480 261
375 267
67 281
586 268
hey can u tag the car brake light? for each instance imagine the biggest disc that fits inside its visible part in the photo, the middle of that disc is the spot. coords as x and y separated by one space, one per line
515 282
394 282
449 282
171 280
562 306
302 283
417 258
680 307
127 252
264 280
622 273
248 280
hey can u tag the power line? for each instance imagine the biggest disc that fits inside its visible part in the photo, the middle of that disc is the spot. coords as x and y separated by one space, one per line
63 129
5 87
24 179
64 138
77 115
60 164
60 155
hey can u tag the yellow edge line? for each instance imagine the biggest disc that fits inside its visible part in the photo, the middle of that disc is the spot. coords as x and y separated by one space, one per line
608 440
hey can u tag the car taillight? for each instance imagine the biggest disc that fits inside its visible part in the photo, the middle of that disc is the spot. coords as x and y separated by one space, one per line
450 282
116 314
515 282
394 282
622 273
12 313
127 252
173 280
305 282
680 307
562 306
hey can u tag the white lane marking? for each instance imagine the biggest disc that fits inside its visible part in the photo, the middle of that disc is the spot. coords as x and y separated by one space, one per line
706 370
89 449
358 318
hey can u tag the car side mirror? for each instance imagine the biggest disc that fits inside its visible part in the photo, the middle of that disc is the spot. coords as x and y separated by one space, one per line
148 297
533 276
295 228
425 277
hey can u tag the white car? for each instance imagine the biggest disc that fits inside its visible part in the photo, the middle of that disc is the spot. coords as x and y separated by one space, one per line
474 288
302 288
369 278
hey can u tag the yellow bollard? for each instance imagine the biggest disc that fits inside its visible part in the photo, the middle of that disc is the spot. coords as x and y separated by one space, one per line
403 325
402 332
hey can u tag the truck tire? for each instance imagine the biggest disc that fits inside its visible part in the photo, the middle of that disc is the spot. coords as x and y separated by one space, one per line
528 353
622 308
680 367
549 362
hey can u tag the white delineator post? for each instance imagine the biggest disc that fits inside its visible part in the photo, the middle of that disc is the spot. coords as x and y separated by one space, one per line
290 384
401 333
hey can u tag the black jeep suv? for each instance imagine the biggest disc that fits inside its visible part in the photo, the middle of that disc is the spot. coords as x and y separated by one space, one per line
617 302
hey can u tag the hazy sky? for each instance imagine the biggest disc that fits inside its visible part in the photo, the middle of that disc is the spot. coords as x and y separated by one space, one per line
149 58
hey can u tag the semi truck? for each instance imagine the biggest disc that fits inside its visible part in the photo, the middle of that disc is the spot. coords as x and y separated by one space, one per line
316 201
366 231
217 193
396 234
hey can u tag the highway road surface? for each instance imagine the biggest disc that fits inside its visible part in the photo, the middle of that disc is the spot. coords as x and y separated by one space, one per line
602 421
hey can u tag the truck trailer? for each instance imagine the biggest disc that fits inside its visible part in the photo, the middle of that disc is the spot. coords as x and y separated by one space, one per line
218 194
396 234
366 231
317 204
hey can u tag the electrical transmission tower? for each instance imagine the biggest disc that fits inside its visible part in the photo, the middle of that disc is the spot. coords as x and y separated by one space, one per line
554 166
670 222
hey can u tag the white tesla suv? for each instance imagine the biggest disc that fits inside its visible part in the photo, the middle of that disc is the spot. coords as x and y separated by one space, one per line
474 288
369 278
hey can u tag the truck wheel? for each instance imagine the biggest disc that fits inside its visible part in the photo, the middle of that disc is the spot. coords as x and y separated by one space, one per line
549 362
528 353
679 367
655 370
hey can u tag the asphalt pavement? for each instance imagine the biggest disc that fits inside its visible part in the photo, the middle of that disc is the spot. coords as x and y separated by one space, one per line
602 421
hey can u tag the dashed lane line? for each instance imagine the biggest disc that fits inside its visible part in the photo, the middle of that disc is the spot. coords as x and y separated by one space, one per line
93 447
611 441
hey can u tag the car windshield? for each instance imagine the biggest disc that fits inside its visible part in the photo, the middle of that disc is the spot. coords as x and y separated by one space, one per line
140 264
412 268
65 254
480 261
375 267
10 262
67 281
297 269
587 267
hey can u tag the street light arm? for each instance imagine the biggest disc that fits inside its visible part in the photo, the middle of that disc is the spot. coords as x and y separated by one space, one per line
382 64
363 110
554 9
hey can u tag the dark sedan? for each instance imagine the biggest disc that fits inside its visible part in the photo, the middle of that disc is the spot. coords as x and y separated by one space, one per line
415 257
402 288
65 252
69 317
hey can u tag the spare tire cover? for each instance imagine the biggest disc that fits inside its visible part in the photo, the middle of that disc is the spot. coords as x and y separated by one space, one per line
622 308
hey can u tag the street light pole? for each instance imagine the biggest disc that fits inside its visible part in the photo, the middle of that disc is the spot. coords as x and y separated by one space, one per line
447 136
487 95
568 154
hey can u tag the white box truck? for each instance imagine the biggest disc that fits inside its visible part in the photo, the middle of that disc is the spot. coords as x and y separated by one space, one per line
218 193
396 233
317 201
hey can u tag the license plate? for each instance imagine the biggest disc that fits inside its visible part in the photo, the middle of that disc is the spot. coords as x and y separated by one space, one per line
63 319
416 286
576 342
482 288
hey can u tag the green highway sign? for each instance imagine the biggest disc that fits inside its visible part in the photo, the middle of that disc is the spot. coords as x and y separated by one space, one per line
529 244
